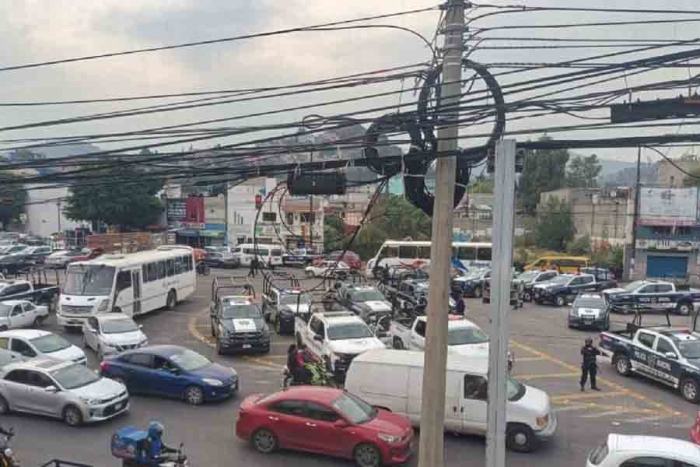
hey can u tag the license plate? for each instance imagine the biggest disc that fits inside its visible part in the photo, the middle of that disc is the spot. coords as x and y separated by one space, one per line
118 407
588 321
247 346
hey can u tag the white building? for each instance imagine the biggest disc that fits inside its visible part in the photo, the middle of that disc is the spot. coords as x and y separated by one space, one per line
242 212
45 211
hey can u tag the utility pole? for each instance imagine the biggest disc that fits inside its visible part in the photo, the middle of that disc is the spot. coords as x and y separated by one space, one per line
226 236
311 210
58 212
636 213
504 212
431 450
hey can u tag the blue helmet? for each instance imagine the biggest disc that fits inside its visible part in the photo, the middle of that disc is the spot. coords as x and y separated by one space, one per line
155 429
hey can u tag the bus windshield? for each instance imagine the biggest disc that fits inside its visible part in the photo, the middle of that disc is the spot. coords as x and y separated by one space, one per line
84 279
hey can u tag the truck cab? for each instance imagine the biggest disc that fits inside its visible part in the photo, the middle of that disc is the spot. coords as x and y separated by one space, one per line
281 306
563 288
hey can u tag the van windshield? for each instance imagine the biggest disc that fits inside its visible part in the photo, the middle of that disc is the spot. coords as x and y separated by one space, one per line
83 279
514 390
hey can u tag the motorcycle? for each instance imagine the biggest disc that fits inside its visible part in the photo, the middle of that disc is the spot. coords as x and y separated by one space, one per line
203 268
319 374
7 456
178 460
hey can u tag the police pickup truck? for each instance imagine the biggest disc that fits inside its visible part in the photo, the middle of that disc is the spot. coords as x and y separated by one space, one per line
364 300
412 294
280 307
565 287
668 355
652 295
530 279
470 284
237 324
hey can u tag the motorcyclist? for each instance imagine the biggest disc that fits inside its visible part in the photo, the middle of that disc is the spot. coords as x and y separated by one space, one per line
154 446
296 364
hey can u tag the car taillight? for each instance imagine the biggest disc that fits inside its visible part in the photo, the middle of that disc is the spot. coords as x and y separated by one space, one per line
104 366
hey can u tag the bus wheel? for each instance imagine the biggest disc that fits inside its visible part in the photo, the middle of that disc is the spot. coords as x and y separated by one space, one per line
172 300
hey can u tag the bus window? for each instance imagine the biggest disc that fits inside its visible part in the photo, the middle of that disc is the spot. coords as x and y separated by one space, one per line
170 267
152 269
276 252
423 252
389 252
468 253
161 269
408 252
144 273
123 280
483 254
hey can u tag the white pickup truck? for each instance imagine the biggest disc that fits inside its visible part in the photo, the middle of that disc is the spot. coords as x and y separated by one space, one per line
336 337
463 336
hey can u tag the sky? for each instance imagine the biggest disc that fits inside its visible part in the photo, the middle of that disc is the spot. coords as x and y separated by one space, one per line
37 30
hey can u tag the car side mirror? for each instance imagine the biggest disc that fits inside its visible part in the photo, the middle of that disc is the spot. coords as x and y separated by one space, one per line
671 355
140 326
340 423
51 389
318 337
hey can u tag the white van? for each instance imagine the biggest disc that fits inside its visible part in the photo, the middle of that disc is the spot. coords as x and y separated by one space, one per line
393 379
269 254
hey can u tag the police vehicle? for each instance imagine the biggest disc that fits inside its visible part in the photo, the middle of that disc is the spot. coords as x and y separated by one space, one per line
668 355
589 311
237 324
652 296
565 287
282 305
529 279
471 284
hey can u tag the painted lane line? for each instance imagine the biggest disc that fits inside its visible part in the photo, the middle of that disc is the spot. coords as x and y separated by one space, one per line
564 398
606 414
529 359
547 375
571 408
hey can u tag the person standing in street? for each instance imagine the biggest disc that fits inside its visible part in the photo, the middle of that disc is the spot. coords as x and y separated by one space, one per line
589 366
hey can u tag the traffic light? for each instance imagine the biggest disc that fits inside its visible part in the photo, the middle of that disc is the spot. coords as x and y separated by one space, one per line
258 201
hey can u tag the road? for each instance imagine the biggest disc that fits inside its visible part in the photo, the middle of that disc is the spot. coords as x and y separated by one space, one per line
546 356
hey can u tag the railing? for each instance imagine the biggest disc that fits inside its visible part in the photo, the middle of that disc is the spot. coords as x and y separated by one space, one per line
61 463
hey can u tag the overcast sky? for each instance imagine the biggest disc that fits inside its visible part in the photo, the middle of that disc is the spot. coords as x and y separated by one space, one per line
38 30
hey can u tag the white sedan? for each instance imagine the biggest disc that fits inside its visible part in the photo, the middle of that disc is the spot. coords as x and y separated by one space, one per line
112 333
21 314
644 451
327 267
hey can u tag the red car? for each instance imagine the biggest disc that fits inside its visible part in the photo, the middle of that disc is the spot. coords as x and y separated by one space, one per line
695 430
326 421
350 258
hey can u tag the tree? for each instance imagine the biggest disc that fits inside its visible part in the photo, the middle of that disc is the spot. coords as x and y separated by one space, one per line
13 199
555 225
580 246
333 231
583 172
693 179
126 198
482 185
544 170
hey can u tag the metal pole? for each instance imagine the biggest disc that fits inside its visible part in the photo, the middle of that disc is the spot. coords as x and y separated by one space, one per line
504 210
226 215
636 214
311 211
58 209
435 359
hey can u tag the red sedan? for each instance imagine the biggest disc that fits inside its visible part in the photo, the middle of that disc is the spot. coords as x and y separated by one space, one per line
325 421
350 258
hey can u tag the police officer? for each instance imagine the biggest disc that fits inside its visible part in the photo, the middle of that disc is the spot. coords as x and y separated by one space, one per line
589 366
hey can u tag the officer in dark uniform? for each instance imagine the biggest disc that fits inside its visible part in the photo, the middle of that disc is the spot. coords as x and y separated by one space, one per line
589 365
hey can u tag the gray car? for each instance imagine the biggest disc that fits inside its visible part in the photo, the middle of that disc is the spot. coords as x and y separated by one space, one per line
590 310
58 389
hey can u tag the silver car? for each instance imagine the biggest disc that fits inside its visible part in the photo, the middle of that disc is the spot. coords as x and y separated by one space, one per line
64 390
112 333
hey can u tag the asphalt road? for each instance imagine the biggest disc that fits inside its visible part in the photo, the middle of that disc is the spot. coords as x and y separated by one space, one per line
546 356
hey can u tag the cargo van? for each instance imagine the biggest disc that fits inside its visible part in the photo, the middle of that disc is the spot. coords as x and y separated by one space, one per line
561 264
268 254
393 379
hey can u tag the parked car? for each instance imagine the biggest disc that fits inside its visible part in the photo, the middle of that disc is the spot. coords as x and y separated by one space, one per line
63 390
280 306
16 263
300 257
350 258
221 260
325 421
565 287
33 343
112 333
8 356
327 268
61 259
387 379
529 279
589 310
38 253
172 371
643 451
648 296
21 314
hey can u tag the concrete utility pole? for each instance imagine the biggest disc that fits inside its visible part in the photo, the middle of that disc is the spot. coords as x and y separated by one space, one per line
502 254
226 240
636 214
311 211
431 453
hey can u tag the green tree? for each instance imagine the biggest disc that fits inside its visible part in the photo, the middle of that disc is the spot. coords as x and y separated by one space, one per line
126 198
580 246
544 170
13 199
693 179
583 172
555 225
482 185
333 231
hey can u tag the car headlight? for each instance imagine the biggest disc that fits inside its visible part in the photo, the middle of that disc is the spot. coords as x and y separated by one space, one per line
573 312
389 438
90 401
144 343
8 452
542 421
212 382
104 305
265 331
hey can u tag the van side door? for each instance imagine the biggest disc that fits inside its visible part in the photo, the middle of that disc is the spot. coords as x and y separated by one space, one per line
474 404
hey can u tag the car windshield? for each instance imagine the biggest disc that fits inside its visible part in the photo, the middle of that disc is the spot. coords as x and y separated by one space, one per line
5 310
248 311
514 390
528 276
74 376
189 360
354 409
294 298
50 343
632 286
689 349
83 279
118 326
367 296
590 303
349 331
465 336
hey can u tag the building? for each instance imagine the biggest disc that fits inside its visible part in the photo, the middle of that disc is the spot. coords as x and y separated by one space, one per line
602 214
44 212
303 221
670 174
244 200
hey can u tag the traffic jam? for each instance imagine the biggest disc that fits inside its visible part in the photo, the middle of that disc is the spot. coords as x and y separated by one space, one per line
346 345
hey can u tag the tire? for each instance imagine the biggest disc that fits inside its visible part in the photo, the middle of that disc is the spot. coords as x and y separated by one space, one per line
622 364
38 321
171 300
684 309
194 395
3 328
264 441
310 274
72 416
527 297
4 406
398 344
367 455
690 390
560 301
520 438
478 292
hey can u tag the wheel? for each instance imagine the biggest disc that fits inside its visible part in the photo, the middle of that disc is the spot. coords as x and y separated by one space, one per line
367 455
194 395
38 321
520 438
72 416
171 301
684 309
560 301
690 390
478 292
3 328
264 441
309 274
4 406
623 365
527 297
398 343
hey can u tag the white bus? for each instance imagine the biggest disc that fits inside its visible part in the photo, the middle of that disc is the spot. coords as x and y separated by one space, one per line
133 284
269 254
416 254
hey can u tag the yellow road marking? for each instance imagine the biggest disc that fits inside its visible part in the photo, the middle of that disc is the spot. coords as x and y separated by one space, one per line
571 408
564 398
261 361
529 359
546 375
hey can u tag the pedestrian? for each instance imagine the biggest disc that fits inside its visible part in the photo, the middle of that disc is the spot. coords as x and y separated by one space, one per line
461 308
589 366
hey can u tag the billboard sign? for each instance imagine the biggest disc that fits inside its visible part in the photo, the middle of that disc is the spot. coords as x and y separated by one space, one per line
668 206
176 210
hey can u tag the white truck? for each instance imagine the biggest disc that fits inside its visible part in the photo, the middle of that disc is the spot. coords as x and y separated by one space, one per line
335 337
463 336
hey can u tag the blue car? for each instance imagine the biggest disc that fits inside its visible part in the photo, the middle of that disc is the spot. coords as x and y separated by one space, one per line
172 371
